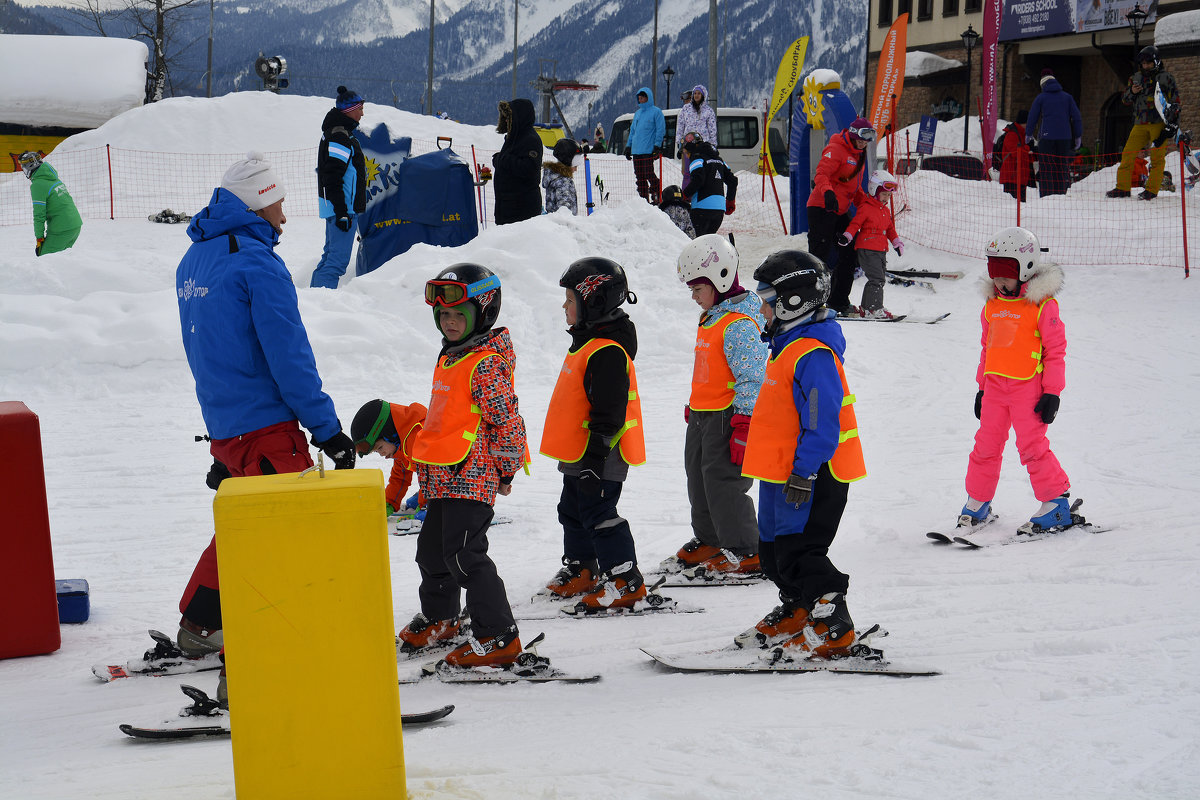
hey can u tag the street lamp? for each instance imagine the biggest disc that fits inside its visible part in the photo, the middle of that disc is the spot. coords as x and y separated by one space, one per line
668 73
1136 20
969 39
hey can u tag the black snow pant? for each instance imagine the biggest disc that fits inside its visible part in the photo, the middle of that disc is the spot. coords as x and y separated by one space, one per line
722 512
1054 173
706 220
592 528
799 562
824 228
452 554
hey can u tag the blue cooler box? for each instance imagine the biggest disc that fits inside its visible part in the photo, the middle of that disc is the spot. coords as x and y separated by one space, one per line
73 603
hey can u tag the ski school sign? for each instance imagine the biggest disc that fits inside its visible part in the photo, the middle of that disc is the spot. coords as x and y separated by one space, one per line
1030 19
889 77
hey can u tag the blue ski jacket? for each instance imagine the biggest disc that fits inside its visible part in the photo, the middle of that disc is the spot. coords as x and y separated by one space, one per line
817 389
1055 110
245 342
648 127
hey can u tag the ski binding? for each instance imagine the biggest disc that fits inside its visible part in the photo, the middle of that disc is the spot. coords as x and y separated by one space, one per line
165 658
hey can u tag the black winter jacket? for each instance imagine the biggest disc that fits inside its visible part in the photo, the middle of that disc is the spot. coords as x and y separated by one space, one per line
331 171
518 166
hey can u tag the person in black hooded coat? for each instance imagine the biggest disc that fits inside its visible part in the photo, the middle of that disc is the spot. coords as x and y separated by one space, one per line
518 165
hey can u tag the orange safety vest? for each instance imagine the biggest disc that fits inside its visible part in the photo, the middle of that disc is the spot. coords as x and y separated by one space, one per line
453 420
775 425
713 381
1014 344
565 435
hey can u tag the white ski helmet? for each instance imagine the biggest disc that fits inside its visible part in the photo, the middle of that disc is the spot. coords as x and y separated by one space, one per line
881 179
1020 245
709 256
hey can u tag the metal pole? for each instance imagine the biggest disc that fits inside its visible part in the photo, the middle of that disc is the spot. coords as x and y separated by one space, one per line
967 108
514 91
210 38
654 55
713 96
429 71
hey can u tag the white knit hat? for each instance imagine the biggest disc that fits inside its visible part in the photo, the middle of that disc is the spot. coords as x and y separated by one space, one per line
254 182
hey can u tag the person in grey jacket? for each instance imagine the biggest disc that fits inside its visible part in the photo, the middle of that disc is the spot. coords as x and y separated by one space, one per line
1055 112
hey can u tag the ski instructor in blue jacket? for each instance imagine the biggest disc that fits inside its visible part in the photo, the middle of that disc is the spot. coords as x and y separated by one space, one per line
1055 118
256 376
646 133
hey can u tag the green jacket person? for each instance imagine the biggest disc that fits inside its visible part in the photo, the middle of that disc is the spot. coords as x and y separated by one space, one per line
56 221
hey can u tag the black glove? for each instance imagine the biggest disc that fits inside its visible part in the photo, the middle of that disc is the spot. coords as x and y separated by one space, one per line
656 152
216 473
797 490
1047 407
343 224
679 153
978 404
831 202
591 467
340 448
628 154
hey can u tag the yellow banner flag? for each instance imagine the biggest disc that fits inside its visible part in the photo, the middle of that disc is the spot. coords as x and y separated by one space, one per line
788 75
889 78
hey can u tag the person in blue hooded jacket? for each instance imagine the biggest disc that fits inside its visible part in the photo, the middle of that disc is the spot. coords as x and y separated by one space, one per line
256 376
1055 112
646 133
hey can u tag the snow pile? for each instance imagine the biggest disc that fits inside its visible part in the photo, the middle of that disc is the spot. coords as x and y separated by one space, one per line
1179 28
918 64
69 81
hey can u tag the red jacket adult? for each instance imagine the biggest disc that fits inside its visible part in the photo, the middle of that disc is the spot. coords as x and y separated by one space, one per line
1015 157
839 171
872 227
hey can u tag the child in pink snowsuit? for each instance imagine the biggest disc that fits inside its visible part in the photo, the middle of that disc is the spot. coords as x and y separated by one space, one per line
1022 372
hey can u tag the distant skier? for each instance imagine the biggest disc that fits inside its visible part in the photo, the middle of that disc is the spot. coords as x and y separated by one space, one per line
1021 373
871 231
696 117
558 178
676 206
644 145
1149 128
712 189
518 165
341 186
56 221
804 449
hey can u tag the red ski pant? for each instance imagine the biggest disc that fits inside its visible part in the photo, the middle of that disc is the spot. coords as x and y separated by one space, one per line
274 449
1009 403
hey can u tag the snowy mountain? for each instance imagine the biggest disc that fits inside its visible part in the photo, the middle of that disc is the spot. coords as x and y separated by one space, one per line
380 47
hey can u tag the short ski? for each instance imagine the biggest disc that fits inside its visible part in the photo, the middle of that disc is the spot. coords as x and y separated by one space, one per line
948 538
652 603
699 575
165 658
923 273
729 659
408 524
185 729
897 318
1029 532
900 280
528 668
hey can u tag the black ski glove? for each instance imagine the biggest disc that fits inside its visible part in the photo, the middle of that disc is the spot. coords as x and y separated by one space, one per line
340 448
216 473
628 153
591 467
656 152
978 404
343 224
797 490
1047 407
831 202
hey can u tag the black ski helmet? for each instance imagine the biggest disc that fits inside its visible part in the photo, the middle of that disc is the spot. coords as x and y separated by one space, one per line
672 195
599 286
372 422
482 301
799 281
1149 53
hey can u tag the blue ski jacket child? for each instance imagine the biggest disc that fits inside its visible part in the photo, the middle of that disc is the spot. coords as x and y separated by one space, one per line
241 326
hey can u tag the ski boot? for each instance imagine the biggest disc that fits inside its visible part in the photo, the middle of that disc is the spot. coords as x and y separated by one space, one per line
691 554
1053 516
500 650
423 634
975 512
195 641
575 578
724 563
878 313
1117 193
785 620
621 587
828 634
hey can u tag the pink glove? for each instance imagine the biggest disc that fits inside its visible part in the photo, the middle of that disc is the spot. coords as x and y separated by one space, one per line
687 413
737 442
899 245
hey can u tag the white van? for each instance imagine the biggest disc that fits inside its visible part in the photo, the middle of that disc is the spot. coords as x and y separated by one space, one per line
739 138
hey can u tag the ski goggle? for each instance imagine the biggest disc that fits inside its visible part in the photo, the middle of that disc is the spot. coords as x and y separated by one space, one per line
867 134
888 186
450 293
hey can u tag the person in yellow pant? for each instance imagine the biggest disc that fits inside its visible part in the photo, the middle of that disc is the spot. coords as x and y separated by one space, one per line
1150 130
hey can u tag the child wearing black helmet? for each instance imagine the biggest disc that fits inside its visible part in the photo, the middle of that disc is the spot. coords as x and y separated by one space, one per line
803 448
471 446
594 430
676 206
558 178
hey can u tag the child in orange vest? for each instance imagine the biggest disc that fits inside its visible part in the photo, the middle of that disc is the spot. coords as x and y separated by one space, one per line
389 430
1022 372
729 361
872 229
594 430
803 448
471 446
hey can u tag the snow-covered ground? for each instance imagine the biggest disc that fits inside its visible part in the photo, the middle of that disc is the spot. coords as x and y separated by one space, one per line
1069 665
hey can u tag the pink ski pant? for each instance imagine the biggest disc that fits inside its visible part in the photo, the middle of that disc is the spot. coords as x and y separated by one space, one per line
1009 403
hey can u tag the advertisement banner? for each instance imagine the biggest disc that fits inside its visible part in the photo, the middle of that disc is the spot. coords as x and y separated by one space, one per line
1030 19
926 134
788 74
889 77
990 66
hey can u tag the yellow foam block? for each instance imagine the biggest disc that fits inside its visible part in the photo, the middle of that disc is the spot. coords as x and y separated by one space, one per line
310 651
